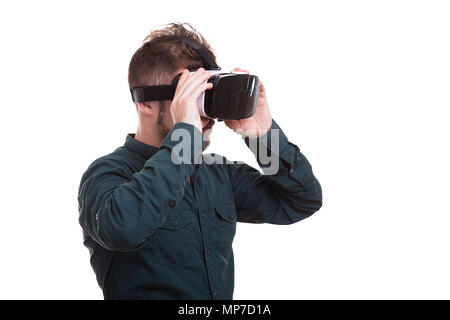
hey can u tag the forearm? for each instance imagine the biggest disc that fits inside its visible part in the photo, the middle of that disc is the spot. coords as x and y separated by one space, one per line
287 192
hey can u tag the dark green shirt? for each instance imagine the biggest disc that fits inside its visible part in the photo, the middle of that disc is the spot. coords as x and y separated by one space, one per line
153 233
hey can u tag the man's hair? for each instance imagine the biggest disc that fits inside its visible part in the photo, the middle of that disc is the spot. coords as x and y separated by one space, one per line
162 55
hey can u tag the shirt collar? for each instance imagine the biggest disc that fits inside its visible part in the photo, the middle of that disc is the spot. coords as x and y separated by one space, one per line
141 149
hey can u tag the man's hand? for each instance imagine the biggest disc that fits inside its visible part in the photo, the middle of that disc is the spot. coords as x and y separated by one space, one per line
259 123
184 104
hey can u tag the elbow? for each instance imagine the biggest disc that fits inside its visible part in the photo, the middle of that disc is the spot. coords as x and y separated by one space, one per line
308 210
315 206
117 233
311 203
118 239
316 197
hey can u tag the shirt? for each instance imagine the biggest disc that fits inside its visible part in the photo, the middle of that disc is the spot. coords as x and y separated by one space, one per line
156 229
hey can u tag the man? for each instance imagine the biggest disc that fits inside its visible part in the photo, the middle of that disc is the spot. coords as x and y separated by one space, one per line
158 229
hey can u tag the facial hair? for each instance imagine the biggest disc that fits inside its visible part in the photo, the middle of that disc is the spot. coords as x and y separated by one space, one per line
163 130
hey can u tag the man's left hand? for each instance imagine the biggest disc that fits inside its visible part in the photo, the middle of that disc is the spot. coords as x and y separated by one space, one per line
259 123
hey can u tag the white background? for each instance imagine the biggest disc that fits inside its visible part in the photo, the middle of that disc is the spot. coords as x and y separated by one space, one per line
362 87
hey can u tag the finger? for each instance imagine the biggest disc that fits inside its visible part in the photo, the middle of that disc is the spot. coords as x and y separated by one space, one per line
189 79
262 89
200 89
241 70
184 76
195 81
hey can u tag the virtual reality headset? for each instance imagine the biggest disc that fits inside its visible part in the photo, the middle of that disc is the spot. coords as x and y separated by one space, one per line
234 95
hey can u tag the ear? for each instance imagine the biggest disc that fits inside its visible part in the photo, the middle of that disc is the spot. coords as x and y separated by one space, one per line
147 108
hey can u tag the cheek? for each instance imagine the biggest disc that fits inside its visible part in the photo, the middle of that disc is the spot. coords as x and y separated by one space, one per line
169 120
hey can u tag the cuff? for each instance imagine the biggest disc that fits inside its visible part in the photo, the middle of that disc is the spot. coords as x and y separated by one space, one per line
274 140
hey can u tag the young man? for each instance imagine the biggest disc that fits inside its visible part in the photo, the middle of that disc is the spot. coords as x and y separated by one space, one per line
158 229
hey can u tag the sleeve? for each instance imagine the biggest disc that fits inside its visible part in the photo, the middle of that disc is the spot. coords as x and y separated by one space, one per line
287 192
121 213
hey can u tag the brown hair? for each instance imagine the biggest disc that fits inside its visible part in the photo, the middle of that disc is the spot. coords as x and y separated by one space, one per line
162 55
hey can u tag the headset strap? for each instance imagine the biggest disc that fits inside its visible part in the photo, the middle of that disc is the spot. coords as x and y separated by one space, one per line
204 55
166 92
153 93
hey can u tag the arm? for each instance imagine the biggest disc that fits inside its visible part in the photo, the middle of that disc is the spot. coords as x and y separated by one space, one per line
121 213
291 194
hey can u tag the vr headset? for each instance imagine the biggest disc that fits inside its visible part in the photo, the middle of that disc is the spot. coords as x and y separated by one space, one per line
234 95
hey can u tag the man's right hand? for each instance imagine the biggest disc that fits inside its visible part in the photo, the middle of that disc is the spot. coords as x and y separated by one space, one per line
184 104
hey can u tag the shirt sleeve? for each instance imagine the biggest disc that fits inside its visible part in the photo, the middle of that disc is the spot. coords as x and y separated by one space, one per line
287 192
120 213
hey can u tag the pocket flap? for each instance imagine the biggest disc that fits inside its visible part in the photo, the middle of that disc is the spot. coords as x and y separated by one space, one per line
175 221
226 211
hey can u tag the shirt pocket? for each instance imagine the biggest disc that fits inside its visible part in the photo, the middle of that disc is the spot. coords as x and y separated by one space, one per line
226 227
173 241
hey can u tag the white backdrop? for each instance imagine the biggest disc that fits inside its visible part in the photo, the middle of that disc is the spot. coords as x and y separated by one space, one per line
362 87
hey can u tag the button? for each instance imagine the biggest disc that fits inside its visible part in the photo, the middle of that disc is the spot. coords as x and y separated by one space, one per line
291 171
203 214
172 204
175 222
230 216
215 292
208 251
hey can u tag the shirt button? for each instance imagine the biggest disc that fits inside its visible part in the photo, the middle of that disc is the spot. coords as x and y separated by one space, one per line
203 214
172 204
215 292
175 222
208 251
291 171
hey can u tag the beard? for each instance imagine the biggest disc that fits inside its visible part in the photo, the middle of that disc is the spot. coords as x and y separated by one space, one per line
163 129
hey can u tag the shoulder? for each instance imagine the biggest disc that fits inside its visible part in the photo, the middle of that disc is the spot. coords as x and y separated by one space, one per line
118 161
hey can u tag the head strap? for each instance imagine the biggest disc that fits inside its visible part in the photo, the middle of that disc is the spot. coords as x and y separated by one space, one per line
208 61
166 92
